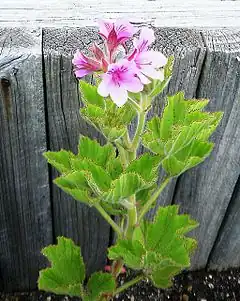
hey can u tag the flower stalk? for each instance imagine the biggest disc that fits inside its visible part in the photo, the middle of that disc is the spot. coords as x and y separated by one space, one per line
153 199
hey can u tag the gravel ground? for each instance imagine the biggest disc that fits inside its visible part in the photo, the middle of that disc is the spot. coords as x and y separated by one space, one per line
189 286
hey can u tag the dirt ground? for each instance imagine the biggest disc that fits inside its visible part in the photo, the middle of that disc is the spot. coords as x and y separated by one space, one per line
189 286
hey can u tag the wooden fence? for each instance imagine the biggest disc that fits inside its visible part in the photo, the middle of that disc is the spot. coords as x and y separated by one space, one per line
39 110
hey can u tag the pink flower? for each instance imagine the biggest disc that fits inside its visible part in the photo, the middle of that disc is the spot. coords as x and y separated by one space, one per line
147 61
116 33
120 78
84 65
98 53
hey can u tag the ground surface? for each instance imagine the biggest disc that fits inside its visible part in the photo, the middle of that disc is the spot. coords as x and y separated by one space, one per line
195 286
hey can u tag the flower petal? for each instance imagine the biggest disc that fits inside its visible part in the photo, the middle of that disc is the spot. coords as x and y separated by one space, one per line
143 78
103 88
119 95
124 29
133 85
105 28
82 72
152 72
156 58
146 38
79 58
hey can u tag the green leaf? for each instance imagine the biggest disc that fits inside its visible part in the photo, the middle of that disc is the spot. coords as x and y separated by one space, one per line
146 166
113 209
187 157
92 150
163 274
77 186
94 174
110 120
180 136
130 251
90 95
154 144
143 195
61 160
98 118
114 168
159 248
196 104
169 67
126 185
67 271
165 234
73 180
100 283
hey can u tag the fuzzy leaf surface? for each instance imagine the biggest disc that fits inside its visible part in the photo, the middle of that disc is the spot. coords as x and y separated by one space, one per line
67 271
159 248
98 284
61 160
125 186
110 120
180 136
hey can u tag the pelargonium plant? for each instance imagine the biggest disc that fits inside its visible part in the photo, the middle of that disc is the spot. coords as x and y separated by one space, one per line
117 181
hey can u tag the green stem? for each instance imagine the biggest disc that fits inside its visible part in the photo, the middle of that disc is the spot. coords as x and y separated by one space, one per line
128 284
132 154
108 218
123 156
154 197
136 105
139 130
132 217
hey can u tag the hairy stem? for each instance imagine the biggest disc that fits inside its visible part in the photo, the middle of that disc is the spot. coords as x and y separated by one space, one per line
126 155
136 105
123 156
137 136
128 284
153 198
108 218
132 217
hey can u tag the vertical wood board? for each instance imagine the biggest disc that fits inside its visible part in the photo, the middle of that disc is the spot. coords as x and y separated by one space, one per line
71 218
25 211
205 191
226 253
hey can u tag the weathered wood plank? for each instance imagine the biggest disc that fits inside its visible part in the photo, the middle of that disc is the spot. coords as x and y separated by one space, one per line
205 191
25 211
189 52
165 13
226 253
71 218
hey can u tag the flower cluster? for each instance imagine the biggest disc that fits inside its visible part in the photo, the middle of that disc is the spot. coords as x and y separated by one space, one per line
128 74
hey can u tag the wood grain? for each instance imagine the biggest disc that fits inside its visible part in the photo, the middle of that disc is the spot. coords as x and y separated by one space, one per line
25 215
164 13
226 253
205 191
71 218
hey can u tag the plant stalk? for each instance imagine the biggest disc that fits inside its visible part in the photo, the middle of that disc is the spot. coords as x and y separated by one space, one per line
132 217
108 218
154 197
137 136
